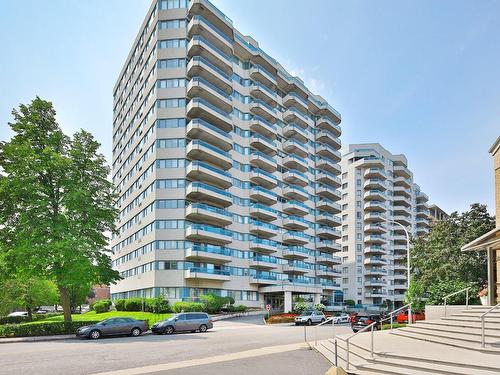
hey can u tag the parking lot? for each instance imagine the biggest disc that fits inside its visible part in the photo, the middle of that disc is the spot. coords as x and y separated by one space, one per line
244 342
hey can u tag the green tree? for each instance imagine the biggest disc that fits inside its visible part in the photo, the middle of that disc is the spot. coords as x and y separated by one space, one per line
438 263
56 203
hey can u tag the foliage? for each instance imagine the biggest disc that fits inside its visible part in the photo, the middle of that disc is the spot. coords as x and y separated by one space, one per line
187 307
78 295
27 293
133 304
394 325
416 295
42 328
319 307
300 307
25 319
349 302
102 306
281 318
436 292
214 303
239 308
119 304
56 203
440 267
92 316
158 305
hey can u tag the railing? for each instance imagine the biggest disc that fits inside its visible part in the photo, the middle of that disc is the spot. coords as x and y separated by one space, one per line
316 329
482 317
466 290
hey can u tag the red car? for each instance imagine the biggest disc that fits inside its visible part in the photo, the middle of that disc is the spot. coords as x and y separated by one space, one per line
402 317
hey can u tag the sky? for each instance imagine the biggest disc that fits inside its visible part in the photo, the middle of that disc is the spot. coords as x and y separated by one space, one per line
420 77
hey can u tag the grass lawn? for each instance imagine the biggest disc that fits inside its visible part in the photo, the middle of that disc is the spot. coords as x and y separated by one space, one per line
92 316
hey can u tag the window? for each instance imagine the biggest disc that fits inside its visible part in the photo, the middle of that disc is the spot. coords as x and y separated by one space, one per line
171 83
170 103
170 184
171 24
172 4
170 203
170 163
172 43
171 123
171 63
171 143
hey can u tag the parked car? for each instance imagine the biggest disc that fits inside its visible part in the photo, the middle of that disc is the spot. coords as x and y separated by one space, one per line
344 318
310 317
402 317
363 321
113 327
184 322
18 313
353 317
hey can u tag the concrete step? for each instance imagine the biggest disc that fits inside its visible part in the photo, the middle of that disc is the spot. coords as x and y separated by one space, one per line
384 363
476 316
445 341
459 336
474 331
461 324
471 320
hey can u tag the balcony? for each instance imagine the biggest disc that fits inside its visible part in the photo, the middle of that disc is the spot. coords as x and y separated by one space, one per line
295 147
376 294
401 171
263 178
208 233
261 126
263 144
329 206
295 238
199 212
328 245
328 259
294 115
374 184
423 213
200 171
260 74
198 107
375 228
295 267
328 165
201 150
263 212
200 67
295 252
323 271
377 173
200 87
376 282
295 162
264 279
322 108
422 197
295 208
207 193
378 206
324 136
262 92
201 26
421 231
260 160
375 195
212 14
374 217
402 191
199 273
325 191
262 229
328 152
326 218
328 125
375 271
405 220
294 131
202 130
375 250
199 46
295 193
295 177
263 245
401 201
293 99
208 253
259 194
264 110
375 239
263 262
296 223
401 181
328 233
375 261
372 162
328 178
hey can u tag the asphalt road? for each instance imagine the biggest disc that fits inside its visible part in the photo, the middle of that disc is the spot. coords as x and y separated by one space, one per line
236 339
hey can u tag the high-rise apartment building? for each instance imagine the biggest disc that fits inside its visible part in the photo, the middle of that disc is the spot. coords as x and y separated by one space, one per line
378 190
436 213
226 166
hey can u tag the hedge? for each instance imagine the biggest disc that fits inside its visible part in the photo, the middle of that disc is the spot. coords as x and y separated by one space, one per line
158 305
24 319
42 328
187 307
102 306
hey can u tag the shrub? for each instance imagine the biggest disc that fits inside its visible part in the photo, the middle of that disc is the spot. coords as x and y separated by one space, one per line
102 306
319 307
349 302
281 318
24 319
41 328
158 305
213 303
120 304
300 307
133 304
187 307
240 308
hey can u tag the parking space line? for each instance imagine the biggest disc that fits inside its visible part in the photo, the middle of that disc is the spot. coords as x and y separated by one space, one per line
208 360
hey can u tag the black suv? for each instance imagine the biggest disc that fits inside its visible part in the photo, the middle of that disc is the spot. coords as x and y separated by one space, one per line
363 321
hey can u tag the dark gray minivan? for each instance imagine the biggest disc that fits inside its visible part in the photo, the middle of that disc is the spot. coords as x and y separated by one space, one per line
184 322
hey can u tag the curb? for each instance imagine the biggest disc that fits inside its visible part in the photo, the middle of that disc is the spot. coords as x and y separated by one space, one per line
36 339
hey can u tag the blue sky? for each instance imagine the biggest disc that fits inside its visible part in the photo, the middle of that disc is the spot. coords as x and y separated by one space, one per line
420 77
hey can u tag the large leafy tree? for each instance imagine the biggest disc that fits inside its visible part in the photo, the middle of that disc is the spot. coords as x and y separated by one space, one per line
439 267
56 203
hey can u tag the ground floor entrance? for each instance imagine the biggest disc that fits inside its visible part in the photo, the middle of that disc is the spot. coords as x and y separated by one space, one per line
284 301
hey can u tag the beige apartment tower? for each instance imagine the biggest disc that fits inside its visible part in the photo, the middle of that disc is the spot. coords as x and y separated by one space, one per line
226 165
378 190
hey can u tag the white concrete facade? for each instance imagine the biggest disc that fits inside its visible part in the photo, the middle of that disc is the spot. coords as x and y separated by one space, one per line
226 166
377 189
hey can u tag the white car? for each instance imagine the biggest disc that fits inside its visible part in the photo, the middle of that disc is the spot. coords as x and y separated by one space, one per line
310 317
341 319
19 313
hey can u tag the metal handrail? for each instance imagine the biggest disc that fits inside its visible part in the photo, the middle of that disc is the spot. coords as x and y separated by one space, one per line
482 317
320 324
410 317
466 290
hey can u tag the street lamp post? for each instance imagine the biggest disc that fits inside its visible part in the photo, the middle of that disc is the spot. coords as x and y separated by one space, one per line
407 249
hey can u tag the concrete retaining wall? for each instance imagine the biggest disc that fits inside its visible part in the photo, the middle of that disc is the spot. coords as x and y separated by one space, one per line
433 312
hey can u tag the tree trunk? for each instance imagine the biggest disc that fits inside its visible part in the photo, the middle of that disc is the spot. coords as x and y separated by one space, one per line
65 303
30 313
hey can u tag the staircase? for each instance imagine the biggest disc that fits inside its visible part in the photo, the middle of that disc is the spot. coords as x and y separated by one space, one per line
450 345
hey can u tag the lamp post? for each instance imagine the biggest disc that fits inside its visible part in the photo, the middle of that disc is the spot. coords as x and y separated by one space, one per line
407 250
